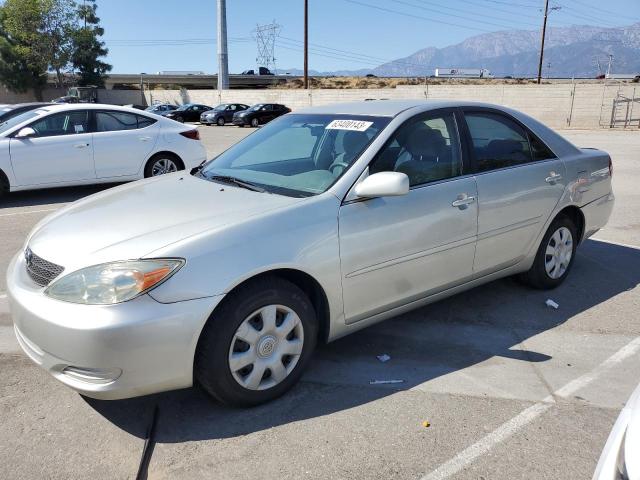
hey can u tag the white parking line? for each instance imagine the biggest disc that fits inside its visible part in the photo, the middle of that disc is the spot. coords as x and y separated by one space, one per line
13 214
507 429
635 247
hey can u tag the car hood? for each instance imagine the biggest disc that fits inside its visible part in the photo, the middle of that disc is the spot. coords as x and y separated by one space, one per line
135 219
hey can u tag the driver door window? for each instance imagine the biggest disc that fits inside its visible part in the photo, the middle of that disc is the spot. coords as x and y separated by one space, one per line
426 149
65 123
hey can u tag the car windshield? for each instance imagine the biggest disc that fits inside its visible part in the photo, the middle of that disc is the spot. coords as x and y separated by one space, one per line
297 155
182 108
256 107
6 125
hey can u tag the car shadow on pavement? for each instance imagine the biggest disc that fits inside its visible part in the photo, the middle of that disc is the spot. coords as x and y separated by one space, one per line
49 196
425 345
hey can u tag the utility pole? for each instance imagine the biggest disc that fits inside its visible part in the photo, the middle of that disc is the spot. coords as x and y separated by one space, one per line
223 56
544 33
306 44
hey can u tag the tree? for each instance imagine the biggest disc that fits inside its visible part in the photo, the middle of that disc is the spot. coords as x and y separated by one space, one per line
35 35
88 48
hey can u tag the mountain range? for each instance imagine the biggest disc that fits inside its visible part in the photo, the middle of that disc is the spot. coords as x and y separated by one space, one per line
576 51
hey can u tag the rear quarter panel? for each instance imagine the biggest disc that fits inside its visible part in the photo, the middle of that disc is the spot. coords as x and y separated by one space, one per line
588 175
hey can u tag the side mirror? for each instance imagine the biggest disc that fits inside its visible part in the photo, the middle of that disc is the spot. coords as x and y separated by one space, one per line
26 132
383 184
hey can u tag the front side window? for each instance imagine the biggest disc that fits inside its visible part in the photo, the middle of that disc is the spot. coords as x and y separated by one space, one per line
298 155
498 142
426 149
64 123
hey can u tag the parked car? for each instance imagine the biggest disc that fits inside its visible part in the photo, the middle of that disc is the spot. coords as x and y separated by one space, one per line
259 114
261 71
161 108
61 145
189 112
222 114
9 111
323 222
619 459
66 99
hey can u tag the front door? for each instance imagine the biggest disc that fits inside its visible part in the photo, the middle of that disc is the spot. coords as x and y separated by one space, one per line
61 151
395 250
520 181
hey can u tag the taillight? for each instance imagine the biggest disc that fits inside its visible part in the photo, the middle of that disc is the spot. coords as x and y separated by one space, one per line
610 167
192 134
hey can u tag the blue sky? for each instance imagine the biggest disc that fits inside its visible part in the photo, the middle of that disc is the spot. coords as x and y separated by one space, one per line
154 35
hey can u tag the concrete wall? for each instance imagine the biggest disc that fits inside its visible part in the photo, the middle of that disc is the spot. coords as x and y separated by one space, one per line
558 105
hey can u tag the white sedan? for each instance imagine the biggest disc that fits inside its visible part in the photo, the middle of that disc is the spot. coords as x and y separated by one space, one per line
63 145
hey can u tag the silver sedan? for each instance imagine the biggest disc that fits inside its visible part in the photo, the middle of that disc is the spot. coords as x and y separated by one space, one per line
323 222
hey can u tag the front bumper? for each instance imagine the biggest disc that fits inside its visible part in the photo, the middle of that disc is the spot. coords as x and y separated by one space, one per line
134 348
239 121
207 120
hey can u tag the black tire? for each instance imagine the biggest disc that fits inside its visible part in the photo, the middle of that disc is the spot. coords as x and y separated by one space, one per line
148 168
241 125
211 364
4 185
255 123
220 122
179 119
537 276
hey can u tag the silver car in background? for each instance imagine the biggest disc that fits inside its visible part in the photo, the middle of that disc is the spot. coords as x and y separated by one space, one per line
323 222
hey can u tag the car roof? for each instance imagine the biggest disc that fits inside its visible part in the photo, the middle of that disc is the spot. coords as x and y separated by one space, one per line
389 108
61 107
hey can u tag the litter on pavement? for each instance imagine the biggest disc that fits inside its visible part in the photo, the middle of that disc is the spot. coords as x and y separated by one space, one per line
382 382
551 303
383 358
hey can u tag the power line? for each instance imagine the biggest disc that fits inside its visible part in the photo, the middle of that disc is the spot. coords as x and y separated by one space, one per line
602 10
463 17
411 15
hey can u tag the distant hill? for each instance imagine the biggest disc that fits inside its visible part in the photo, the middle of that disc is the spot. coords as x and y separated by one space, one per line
571 51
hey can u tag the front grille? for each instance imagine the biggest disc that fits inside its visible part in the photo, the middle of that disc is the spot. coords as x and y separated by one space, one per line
40 270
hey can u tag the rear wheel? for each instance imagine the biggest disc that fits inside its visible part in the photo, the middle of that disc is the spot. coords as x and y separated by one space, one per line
161 164
257 343
4 185
221 122
555 255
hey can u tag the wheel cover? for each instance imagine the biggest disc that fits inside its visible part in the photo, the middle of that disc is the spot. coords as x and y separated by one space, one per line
255 122
557 256
221 121
162 166
266 347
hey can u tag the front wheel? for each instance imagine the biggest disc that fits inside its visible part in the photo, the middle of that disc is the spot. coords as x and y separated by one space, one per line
257 343
555 255
255 122
221 122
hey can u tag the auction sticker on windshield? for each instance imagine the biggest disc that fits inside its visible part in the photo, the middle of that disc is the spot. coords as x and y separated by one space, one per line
355 125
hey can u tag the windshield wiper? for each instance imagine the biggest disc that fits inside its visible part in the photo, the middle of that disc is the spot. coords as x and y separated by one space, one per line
237 182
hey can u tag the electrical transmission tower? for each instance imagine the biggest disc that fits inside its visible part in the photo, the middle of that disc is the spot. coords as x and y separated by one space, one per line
265 36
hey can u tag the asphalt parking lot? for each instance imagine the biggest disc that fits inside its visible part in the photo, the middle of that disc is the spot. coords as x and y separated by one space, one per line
510 388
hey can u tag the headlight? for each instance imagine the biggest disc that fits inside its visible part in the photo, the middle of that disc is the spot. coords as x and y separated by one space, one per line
111 283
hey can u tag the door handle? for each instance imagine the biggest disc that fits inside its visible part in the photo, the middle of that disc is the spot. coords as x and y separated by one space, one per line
145 139
463 201
81 145
553 177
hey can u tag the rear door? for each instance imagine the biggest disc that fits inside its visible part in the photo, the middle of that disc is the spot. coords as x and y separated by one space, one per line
520 181
61 151
122 141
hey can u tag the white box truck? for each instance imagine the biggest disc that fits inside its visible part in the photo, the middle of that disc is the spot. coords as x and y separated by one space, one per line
463 73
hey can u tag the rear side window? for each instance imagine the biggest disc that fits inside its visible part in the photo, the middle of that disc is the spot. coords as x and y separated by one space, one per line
118 121
539 150
64 123
498 141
